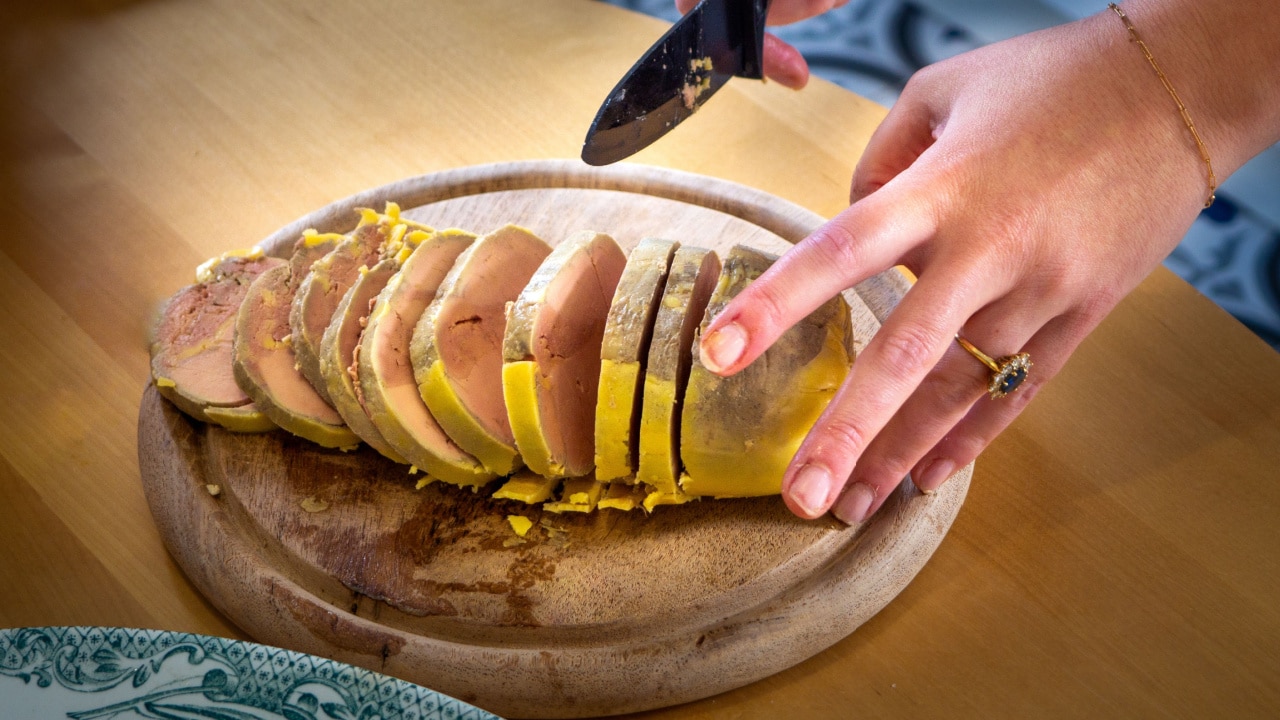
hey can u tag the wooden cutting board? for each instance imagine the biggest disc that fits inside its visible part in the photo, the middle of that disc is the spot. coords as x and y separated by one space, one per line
341 555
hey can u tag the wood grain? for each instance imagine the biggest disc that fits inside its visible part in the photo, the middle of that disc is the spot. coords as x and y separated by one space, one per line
298 538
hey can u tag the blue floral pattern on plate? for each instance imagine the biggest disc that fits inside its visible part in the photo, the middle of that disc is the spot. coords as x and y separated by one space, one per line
85 673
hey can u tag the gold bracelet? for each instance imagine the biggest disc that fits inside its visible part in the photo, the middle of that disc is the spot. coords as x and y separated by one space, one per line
1182 109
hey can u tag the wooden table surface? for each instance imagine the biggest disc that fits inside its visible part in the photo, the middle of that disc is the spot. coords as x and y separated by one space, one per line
1118 553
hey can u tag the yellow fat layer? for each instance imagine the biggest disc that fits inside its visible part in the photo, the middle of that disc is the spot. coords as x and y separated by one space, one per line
240 419
204 271
520 392
458 423
621 496
311 238
528 488
578 495
658 497
658 460
614 407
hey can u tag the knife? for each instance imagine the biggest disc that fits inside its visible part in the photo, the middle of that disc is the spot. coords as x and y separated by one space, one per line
715 41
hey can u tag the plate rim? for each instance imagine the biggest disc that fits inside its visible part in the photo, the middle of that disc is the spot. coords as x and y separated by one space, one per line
146 667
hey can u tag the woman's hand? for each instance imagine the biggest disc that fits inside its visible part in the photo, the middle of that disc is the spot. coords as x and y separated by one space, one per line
1029 185
783 63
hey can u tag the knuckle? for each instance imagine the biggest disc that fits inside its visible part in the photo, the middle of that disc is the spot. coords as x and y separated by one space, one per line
952 386
765 309
920 78
907 349
1099 302
884 470
835 246
843 438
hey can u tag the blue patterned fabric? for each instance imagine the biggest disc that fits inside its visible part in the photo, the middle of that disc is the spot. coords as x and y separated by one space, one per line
871 47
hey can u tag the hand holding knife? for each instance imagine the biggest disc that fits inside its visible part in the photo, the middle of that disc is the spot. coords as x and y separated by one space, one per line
715 41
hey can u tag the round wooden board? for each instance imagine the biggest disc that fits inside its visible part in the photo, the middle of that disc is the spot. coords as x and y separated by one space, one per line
339 554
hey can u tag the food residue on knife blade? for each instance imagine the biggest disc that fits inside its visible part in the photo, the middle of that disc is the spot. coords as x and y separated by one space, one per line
697 82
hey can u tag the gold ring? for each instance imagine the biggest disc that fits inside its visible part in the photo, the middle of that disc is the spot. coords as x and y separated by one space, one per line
1007 373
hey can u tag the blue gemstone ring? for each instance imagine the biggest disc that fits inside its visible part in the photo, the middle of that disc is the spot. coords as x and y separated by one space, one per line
1007 373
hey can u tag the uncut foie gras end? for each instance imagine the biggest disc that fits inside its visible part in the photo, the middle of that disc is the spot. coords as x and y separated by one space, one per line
263 360
739 433
191 340
624 353
457 344
384 372
693 276
551 354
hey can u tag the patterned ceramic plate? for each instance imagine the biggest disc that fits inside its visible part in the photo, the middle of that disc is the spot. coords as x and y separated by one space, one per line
95 672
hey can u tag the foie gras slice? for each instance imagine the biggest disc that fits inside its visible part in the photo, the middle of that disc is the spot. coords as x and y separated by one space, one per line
624 353
384 372
263 359
191 341
693 276
327 283
337 348
551 354
740 432
457 344
241 419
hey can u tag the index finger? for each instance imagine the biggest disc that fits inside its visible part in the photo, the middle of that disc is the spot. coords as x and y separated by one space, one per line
868 237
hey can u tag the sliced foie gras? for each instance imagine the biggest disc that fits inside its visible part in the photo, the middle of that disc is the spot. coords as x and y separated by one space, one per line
739 433
457 344
384 372
692 278
191 340
242 419
551 354
323 288
263 358
337 348
624 353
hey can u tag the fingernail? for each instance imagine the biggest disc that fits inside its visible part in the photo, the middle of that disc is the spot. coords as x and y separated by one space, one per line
810 489
853 505
934 474
722 348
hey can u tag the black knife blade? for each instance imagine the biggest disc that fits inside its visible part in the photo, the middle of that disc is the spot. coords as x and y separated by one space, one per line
717 40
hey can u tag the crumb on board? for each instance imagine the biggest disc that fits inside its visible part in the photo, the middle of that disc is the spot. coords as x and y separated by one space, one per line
314 504
213 489
520 524
556 535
